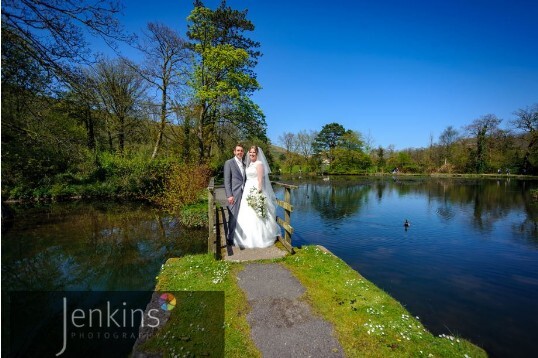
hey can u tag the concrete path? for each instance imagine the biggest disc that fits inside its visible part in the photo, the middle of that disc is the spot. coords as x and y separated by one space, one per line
235 254
282 325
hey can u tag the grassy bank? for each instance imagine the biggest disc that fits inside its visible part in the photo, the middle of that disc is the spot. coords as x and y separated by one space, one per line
367 321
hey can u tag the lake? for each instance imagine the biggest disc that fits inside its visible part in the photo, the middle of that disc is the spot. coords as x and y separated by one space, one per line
467 265
92 246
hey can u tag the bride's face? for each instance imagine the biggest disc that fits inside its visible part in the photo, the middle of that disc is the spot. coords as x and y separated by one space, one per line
252 155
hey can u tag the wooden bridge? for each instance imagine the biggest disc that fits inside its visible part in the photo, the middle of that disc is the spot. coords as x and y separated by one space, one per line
218 224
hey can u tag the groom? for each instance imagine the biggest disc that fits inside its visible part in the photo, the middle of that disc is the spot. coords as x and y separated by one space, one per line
234 180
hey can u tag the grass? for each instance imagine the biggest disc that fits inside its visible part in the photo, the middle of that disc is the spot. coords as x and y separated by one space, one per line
203 273
367 321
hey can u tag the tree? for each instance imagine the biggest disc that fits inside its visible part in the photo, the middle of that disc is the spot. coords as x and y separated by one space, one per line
83 100
305 142
381 158
223 78
165 55
328 138
121 89
305 146
447 138
527 121
52 31
352 140
348 154
288 140
481 129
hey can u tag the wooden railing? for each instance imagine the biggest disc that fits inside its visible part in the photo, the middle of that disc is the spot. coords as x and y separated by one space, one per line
217 217
286 223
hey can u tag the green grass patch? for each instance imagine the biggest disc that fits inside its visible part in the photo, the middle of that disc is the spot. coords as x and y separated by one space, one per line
368 322
204 273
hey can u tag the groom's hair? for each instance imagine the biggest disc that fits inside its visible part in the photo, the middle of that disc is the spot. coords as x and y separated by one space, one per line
239 145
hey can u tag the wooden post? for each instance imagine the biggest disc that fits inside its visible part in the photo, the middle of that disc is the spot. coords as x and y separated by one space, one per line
287 213
211 240
286 223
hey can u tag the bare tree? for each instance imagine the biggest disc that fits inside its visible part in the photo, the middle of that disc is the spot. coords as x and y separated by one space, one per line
305 142
447 138
52 31
287 139
368 142
527 121
166 56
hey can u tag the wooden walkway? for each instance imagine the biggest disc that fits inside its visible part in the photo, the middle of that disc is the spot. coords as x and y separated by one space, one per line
218 219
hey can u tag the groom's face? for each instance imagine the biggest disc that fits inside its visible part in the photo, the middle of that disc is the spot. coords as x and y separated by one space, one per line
239 152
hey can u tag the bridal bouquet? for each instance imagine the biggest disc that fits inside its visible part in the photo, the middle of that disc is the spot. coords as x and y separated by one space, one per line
257 202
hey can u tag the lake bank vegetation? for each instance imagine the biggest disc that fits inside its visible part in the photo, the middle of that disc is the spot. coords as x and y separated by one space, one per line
482 147
80 125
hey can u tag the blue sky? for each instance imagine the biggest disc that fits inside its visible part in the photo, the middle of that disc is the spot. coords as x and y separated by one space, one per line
397 71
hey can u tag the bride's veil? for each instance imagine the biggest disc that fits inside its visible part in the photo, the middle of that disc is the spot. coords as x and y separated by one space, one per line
267 187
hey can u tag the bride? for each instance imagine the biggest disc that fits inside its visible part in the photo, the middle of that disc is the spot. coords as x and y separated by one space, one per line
254 228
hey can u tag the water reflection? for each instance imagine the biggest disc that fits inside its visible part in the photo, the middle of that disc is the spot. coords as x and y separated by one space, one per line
467 265
484 202
335 202
99 246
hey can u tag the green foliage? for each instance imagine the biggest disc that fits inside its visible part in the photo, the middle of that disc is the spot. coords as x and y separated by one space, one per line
38 140
113 176
328 138
349 161
194 215
184 184
223 79
134 176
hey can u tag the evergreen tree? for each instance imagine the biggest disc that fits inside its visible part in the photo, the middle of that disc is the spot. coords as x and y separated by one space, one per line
223 78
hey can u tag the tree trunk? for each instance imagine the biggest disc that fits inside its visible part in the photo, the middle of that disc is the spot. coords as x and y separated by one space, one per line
121 134
90 131
200 133
109 134
163 124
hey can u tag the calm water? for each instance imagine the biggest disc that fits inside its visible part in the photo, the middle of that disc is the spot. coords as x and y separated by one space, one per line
99 246
467 265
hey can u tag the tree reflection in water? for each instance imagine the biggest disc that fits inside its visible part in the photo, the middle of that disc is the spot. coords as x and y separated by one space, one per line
484 202
468 263
99 246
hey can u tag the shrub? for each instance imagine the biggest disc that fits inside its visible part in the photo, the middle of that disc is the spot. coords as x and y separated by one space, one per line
194 215
183 185
446 168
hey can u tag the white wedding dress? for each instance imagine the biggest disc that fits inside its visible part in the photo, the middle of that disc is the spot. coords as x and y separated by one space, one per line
253 231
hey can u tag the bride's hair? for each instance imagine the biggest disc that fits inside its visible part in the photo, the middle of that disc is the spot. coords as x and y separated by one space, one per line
255 147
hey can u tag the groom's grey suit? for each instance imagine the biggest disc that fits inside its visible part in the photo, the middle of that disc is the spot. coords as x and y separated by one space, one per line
233 186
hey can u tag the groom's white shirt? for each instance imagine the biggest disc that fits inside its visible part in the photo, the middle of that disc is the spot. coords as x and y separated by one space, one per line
240 165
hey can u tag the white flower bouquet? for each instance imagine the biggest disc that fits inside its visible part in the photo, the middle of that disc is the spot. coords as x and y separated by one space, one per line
256 201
